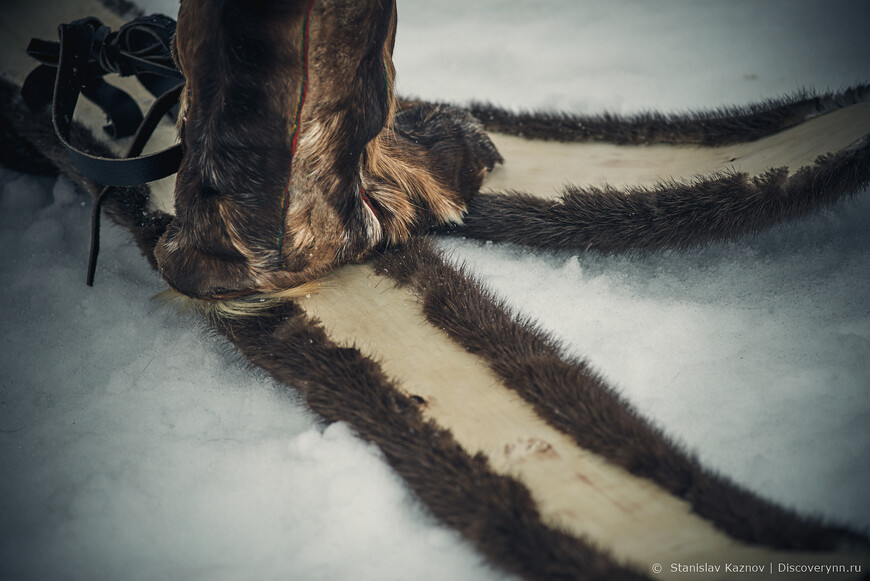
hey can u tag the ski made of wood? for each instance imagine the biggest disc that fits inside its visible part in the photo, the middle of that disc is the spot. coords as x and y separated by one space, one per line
544 167
521 448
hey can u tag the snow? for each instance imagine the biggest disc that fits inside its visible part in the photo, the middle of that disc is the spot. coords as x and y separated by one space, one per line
137 446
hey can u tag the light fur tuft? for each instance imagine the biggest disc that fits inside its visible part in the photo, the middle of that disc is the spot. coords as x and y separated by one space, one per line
248 306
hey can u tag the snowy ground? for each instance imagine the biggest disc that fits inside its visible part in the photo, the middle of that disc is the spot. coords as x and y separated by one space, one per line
133 446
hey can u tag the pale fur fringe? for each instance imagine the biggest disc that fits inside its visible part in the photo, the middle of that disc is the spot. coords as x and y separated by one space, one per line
242 307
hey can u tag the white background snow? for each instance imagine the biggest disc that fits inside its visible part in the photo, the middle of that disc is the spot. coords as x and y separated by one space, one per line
135 446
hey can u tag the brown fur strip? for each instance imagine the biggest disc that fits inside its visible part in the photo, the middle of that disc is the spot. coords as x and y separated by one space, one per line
573 399
673 214
495 513
18 154
716 127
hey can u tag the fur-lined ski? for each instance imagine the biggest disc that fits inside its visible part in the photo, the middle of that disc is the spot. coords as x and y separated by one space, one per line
522 449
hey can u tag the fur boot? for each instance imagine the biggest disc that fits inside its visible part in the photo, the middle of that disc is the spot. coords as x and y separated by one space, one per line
295 158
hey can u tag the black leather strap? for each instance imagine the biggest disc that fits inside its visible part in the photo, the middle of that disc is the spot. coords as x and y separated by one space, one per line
86 52
160 107
76 65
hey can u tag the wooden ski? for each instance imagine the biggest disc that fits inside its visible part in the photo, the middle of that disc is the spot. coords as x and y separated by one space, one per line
522 449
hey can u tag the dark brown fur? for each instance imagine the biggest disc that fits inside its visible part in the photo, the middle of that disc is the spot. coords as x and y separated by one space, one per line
671 215
495 513
576 401
252 215
243 65
19 154
715 127
127 206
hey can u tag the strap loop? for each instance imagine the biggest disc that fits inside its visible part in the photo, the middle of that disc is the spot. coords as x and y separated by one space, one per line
75 65
140 47
76 40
